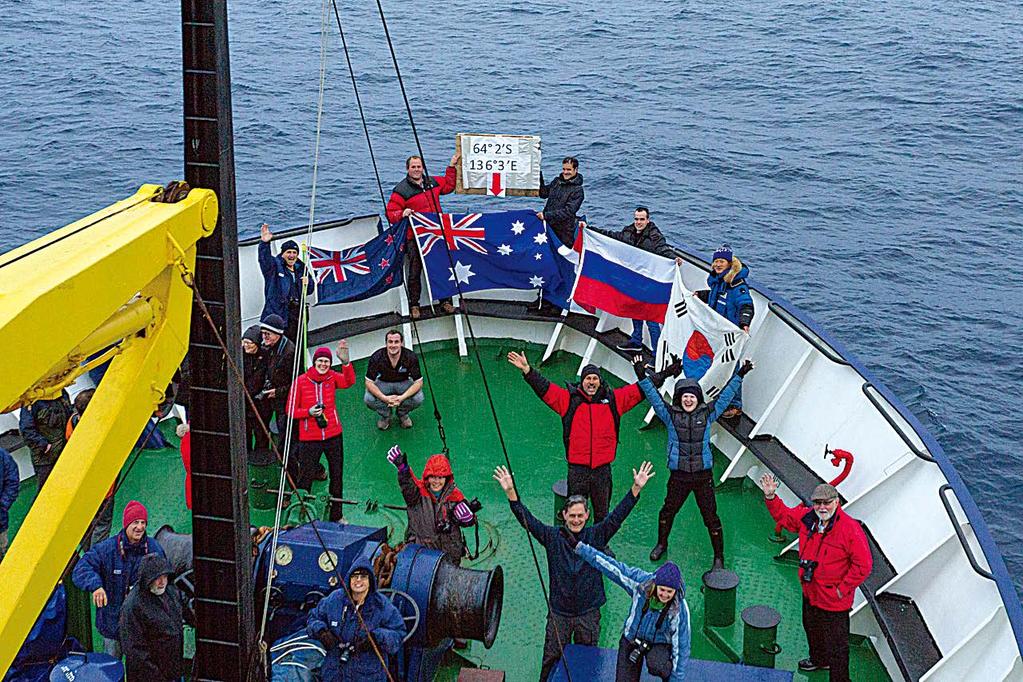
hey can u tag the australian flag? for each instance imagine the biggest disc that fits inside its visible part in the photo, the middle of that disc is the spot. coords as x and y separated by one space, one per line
478 251
361 271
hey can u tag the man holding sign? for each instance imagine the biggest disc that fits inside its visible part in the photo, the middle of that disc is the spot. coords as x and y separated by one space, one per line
420 193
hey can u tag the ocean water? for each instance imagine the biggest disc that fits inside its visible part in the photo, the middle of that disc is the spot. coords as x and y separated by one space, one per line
866 160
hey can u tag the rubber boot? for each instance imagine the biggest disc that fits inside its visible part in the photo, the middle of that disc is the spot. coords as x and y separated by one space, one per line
717 542
663 531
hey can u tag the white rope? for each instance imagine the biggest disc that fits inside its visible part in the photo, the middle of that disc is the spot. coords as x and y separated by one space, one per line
299 348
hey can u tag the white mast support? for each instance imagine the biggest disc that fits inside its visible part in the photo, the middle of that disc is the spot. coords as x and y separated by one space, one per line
552 344
406 327
602 323
768 411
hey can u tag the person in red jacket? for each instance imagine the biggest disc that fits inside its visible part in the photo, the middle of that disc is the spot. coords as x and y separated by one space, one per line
312 404
421 194
834 559
590 412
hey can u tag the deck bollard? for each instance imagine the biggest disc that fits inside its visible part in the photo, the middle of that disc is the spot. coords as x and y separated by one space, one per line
560 490
760 636
719 597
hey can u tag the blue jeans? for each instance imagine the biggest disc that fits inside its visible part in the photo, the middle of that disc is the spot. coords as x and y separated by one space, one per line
637 333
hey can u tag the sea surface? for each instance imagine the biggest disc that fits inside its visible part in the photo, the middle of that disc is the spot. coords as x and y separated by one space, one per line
866 159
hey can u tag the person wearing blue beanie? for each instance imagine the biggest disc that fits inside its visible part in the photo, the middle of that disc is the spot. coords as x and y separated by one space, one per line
656 631
284 278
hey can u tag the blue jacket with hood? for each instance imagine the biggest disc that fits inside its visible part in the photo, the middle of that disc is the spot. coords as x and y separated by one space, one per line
278 281
642 621
113 565
336 613
689 432
10 481
729 294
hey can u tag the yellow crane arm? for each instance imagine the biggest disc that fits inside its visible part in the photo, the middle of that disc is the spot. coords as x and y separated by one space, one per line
115 276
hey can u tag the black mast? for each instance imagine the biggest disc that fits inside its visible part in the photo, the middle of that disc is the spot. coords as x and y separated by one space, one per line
225 641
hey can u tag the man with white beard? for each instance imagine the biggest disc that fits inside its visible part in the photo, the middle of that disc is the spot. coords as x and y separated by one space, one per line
151 633
834 559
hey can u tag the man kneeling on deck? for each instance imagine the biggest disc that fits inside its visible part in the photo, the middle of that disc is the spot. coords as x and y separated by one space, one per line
834 559
393 382
577 590
657 628
590 414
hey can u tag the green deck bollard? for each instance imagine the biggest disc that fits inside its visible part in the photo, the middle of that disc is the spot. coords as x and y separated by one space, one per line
760 636
719 597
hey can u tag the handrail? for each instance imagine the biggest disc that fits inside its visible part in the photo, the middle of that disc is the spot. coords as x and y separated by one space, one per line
800 328
867 387
317 227
962 536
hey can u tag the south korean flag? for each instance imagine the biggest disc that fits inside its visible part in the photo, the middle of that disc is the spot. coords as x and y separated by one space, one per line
709 344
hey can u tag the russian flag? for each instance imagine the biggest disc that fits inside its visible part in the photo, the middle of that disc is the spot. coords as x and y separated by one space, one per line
623 280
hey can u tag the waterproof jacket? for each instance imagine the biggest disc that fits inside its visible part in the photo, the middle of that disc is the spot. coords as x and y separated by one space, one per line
576 587
10 481
113 565
841 552
151 633
669 625
312 388
336 613
280 361
254 371
422 198
564 199
44 423
431 521
589 425
278 282
689 432
729 294
649 239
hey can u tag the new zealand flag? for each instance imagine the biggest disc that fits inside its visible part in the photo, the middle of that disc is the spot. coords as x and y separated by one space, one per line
361 271
480 251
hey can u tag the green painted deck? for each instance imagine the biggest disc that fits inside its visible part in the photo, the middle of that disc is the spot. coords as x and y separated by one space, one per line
533 435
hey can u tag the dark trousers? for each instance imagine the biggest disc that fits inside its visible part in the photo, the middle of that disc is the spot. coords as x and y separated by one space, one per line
827 633
255 437
564 630
658 662
308 455
680 484
292 330
414 277
594 484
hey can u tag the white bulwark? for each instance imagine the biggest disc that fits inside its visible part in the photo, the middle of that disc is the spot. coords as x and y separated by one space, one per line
499 165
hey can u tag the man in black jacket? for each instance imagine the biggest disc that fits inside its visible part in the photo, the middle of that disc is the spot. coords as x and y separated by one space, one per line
643 233
564 197
279 353
150 627
577 589
43 425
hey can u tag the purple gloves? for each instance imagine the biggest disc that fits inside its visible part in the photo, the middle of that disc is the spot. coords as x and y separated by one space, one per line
463 515
396 457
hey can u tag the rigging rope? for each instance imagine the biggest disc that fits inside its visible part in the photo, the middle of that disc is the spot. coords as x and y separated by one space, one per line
415 328
468 319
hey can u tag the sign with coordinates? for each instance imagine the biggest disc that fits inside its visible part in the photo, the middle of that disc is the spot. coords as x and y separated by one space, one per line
499 165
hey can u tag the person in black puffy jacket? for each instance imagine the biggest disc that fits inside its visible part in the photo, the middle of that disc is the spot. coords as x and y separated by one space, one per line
150 624
564 197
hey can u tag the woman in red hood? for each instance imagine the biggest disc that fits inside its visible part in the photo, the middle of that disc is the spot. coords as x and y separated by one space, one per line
437 509
311 403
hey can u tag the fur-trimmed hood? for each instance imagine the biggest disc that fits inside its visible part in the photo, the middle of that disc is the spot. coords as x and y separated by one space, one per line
737 273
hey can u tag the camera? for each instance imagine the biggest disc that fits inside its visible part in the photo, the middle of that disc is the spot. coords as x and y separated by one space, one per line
346 652
808 566
638 648
443 525
321 418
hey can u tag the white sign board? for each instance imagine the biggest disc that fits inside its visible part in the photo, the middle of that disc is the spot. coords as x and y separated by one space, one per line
499 165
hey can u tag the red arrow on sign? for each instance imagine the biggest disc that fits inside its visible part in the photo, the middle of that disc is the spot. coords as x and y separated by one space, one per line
496 188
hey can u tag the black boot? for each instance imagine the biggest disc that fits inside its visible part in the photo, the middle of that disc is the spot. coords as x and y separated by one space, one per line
663 531
717 542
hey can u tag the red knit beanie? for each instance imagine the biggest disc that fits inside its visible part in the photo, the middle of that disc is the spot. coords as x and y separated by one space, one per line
134 511
322 352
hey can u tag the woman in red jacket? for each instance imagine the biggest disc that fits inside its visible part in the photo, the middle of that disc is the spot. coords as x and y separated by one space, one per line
311 403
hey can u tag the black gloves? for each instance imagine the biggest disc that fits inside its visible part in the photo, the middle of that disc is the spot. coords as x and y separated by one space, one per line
571 539
675 368
328 639
639 367
747 367
475 505
361 646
